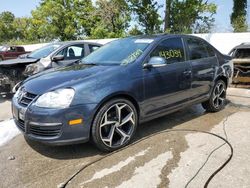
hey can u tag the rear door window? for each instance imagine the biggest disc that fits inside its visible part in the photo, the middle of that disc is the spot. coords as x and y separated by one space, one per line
198 49
210 50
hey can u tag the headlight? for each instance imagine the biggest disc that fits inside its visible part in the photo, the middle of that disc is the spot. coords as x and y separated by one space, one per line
31 69
61 98
17 93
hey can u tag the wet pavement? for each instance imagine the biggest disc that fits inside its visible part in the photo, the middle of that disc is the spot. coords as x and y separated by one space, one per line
168 159
5 107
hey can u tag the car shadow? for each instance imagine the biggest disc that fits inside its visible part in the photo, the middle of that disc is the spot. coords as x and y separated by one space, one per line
143 130
66 152
169 121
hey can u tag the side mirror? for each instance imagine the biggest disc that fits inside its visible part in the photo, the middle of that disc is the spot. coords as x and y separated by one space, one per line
155 62
58 58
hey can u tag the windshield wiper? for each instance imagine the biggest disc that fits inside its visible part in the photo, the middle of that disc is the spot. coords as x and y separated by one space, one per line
84 63
29 57
89 63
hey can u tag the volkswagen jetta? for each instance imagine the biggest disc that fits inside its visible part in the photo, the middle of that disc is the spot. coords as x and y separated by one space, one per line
126 82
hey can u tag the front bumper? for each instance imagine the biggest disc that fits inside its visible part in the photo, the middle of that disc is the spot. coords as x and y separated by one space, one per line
51 126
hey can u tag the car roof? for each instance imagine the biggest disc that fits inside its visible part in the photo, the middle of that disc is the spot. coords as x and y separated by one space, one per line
75 42
160 36
243 46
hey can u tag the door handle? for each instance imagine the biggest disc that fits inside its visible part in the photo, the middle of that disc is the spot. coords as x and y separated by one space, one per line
186 73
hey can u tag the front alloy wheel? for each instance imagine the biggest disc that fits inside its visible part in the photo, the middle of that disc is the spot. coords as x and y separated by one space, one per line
114 125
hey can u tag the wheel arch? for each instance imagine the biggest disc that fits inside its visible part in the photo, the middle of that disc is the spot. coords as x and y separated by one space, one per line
223 78
124 95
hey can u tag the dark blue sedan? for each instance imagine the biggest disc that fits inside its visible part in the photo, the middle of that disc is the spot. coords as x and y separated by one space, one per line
107 94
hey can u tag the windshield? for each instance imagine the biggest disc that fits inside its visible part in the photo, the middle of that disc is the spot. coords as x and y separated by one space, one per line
44 51
119 52
242 53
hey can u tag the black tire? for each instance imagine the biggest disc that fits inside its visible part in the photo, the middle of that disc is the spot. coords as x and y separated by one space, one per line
100 127
216 102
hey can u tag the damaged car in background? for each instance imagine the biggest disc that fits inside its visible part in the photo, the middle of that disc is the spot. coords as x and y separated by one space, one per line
13 72
241 61
11 52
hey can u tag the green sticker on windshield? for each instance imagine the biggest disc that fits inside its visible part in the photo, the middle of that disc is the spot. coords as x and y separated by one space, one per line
132 57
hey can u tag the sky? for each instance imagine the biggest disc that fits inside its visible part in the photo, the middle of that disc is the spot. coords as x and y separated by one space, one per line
19 8
222 19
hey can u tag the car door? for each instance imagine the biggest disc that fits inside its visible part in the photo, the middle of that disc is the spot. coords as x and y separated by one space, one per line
204 64
71 54
167 86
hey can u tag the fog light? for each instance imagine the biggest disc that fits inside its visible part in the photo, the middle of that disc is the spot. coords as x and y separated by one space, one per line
75 121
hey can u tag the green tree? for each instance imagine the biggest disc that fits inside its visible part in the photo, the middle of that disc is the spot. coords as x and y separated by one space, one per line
7 31
238 17
135 31
22 29
189 16
62 19
146 12
100 32
112 19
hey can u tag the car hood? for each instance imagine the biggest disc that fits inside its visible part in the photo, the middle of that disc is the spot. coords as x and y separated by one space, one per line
17 61
65 77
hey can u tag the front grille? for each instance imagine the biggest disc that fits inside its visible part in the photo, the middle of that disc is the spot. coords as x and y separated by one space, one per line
45 131
20 125
26 98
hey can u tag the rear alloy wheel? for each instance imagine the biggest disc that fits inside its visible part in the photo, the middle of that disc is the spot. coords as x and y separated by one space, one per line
114 125
217 98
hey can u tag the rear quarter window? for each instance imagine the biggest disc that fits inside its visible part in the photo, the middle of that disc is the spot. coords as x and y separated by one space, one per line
20 49
93 47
